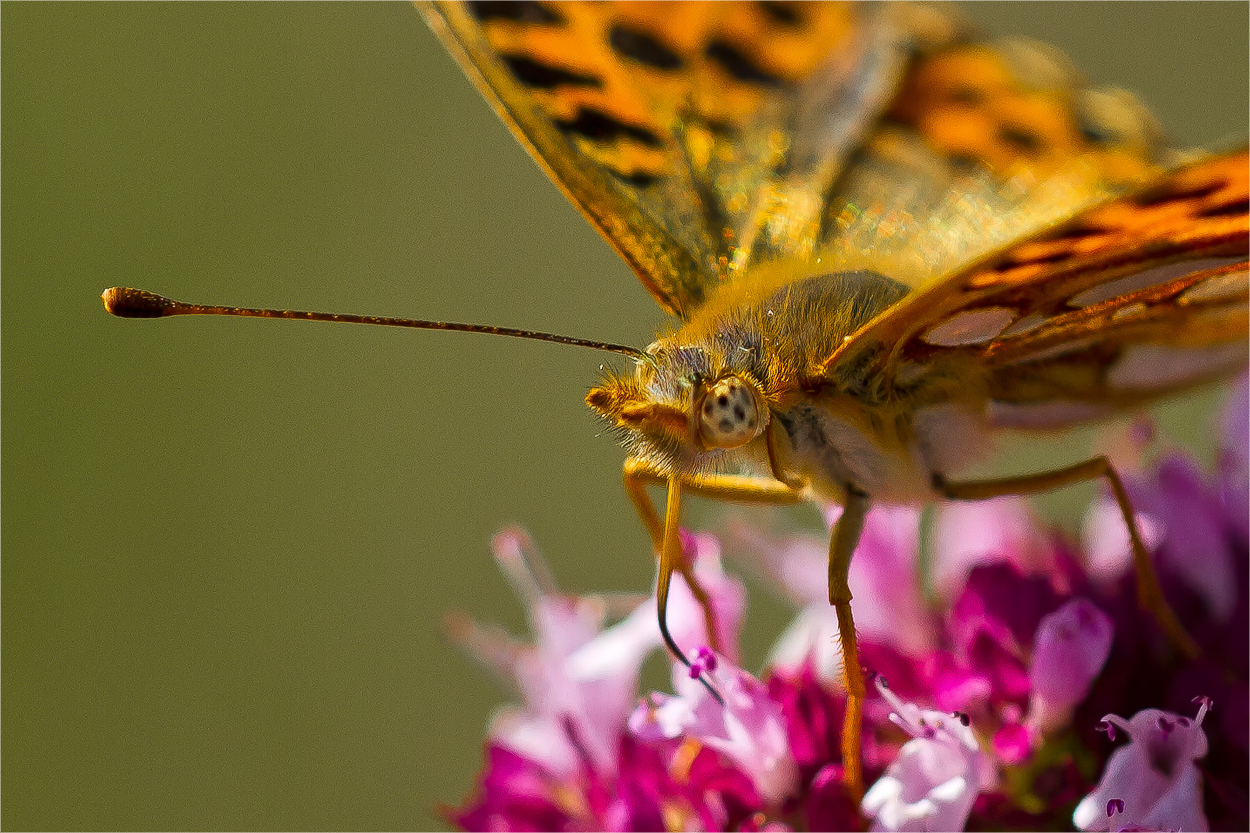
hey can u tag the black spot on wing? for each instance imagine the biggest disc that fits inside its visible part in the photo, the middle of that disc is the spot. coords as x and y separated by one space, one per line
736 62
638 179
963 162
1168 192
600 127
1012 260
1076 233
1232 209
1098 134
1022 139
520 11
643 48
965 95
542 76
782 14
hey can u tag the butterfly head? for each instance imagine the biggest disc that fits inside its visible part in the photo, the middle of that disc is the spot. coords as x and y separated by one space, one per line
680 412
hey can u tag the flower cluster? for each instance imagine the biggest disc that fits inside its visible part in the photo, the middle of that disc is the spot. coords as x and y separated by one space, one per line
1018 684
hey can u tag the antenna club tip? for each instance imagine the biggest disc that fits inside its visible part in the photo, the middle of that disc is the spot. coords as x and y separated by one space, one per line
125 302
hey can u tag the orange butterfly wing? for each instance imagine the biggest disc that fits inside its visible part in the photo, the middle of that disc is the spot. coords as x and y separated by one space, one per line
700 138
632 110
1132 299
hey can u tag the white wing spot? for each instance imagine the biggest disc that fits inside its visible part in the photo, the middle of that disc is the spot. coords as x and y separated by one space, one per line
1217 288
975 326
1025 324
1128 312
1146 279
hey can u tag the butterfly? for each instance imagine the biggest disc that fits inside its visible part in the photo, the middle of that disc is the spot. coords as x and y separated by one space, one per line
881 237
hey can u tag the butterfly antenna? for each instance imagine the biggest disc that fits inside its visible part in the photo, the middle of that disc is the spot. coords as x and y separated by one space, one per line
138 303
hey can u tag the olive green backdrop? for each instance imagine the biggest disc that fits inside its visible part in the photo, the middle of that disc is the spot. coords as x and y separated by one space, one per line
228 544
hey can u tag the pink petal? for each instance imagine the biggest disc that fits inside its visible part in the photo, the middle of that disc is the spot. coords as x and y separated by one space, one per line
969 534
1069 651
1011 743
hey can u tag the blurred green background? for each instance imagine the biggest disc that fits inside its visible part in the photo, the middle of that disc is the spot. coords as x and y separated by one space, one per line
228 544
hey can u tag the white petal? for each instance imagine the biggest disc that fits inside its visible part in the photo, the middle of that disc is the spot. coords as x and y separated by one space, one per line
1180 806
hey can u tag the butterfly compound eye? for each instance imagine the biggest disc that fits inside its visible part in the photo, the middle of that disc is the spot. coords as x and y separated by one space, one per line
728 414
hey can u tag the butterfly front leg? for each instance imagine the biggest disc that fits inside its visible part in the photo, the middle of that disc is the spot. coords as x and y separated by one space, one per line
638 475
1149 592
745 489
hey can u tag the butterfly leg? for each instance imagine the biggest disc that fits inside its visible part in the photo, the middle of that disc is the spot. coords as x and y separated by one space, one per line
1149 593
741 489
672 557
664 534
842 544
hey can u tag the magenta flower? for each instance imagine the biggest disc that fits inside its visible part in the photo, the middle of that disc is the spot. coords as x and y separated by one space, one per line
1233 462
1006 630
998 678
893 609
1152 783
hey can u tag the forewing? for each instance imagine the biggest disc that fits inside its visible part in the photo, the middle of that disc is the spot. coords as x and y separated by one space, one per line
985 142
1132 299
703 138
670 125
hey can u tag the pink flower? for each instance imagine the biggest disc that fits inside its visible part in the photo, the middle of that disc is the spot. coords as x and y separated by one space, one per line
627 643
1070 648
569 710
748 728
936 777
564 758
1234 459
1152 783
1195 549
968 535
889 607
